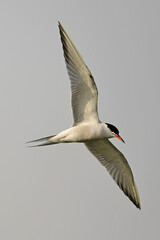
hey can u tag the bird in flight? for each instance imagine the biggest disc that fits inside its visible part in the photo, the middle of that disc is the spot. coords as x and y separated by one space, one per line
87 128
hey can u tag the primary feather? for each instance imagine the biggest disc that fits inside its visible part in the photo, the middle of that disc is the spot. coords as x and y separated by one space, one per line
83 88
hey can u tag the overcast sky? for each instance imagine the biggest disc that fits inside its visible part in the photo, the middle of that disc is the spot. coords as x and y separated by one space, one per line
62 191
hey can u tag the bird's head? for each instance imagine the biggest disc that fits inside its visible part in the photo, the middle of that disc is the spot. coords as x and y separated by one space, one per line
114 131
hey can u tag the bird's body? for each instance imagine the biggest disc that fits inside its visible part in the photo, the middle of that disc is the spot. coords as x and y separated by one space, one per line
87 127
82 133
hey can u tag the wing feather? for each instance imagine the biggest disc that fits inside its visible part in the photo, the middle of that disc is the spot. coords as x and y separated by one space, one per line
116 164
83 88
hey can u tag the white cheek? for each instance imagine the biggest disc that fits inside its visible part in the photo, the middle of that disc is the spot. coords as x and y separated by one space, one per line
107 132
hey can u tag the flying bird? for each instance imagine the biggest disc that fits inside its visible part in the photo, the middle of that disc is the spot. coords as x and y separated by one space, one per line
87 128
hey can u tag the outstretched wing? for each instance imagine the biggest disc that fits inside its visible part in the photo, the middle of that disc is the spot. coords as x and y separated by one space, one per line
83 88
116 164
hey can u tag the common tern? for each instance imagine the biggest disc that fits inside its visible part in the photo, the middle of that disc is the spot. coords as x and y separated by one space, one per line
87 128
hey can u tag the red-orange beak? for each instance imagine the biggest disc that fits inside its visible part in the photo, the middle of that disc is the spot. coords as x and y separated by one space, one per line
119 137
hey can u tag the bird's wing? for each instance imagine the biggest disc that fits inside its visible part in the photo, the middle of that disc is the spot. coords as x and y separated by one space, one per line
83 88
116 164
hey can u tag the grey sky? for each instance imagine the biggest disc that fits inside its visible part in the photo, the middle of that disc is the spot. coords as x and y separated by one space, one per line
62 192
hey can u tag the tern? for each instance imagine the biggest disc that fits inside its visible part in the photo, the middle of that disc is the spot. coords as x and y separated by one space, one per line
87 128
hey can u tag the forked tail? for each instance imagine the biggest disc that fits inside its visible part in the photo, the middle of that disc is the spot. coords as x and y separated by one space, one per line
46 141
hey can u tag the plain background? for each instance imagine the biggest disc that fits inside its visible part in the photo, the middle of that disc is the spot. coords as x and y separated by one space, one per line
62 192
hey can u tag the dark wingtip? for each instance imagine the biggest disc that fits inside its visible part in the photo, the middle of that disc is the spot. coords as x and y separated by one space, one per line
60 26
137 205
